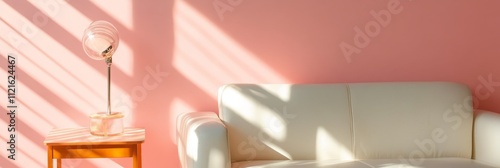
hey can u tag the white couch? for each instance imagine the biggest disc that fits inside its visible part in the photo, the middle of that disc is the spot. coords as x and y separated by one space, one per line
387 125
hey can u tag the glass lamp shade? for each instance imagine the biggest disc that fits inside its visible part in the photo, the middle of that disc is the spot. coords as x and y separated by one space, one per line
100 40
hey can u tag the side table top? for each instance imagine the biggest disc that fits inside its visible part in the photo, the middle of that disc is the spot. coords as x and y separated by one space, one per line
68 136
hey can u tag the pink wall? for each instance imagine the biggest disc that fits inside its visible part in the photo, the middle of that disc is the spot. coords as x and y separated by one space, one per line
195 47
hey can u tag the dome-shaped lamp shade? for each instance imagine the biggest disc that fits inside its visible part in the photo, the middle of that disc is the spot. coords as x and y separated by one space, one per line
100 40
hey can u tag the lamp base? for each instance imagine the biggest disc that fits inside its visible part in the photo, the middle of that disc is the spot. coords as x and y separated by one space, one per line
102 124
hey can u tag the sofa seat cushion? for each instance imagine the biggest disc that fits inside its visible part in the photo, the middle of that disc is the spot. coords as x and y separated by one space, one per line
372 163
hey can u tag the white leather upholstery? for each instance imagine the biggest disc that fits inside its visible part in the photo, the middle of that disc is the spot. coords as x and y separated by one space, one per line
202 141
487 137
407 124
287 121
373 163
394 120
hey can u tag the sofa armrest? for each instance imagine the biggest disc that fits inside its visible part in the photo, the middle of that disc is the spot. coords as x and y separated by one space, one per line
487 137
202 141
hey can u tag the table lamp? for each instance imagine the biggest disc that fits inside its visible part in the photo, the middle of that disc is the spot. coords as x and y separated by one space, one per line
100 41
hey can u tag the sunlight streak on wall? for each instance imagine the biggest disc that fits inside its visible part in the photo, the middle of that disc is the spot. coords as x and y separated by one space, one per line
45 108
35 149
36 102
209 57
67 68
61 13
61 85
55 51
63 75
122 11
75 80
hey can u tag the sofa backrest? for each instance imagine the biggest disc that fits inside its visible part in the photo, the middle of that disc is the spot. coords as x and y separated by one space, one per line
287 121
409 121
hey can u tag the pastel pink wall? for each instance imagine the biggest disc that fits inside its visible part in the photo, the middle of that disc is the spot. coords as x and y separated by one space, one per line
173 55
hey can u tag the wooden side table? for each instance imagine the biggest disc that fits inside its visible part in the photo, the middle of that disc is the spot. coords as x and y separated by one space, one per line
79 143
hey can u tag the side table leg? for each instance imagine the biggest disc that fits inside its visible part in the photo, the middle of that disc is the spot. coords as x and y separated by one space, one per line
59 164
138 156
50 163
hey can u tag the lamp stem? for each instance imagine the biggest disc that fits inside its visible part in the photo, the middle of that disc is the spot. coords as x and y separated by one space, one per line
108 61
